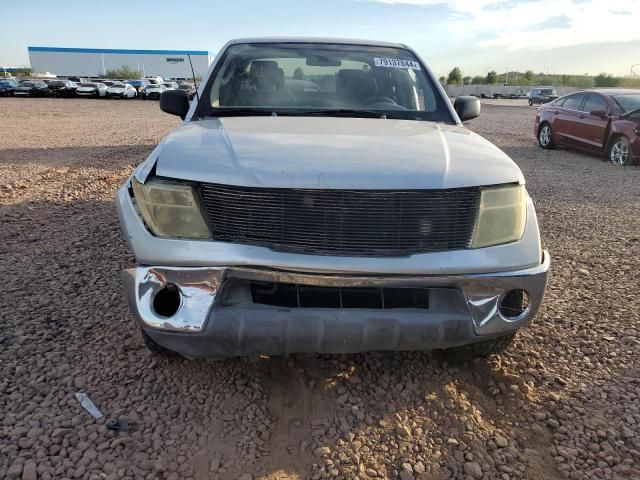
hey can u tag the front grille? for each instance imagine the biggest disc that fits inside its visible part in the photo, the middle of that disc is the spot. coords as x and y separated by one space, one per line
290 295
343 222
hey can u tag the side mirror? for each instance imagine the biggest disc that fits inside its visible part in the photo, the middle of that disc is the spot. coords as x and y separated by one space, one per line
174 102
467 107
598 113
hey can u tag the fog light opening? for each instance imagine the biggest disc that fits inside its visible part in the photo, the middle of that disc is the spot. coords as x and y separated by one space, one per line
514 304
166 301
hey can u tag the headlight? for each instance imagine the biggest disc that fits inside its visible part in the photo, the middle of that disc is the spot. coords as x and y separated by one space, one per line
170 209
501 217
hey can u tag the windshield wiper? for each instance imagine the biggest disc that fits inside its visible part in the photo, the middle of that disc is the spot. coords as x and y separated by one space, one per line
241 112
637 110
298 112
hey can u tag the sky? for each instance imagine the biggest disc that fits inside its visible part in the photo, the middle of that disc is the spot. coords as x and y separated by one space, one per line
554 36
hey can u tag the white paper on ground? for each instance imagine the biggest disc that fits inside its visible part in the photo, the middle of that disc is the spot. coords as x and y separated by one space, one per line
88 405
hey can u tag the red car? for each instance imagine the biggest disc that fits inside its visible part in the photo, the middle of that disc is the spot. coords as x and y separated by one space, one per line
605 122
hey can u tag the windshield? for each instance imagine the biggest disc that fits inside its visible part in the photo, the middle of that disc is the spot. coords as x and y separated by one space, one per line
118 85
184 87
92 85
57 84
548 91
628 103
26 83
168 85
322 79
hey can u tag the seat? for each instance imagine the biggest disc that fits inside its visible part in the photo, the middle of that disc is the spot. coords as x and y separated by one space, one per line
354 86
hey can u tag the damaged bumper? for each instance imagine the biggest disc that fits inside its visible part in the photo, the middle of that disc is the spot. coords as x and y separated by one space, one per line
211 311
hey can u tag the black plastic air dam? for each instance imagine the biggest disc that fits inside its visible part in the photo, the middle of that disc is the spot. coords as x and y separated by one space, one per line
259 329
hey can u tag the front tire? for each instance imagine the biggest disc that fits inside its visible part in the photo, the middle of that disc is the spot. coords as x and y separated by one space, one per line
620 152
530 103
545 137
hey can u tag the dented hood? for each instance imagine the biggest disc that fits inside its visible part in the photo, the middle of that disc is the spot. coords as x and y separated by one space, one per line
329 152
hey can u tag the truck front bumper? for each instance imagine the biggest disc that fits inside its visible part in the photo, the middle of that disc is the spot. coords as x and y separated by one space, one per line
461 309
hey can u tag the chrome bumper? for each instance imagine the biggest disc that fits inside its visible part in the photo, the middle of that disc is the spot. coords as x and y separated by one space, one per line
203 326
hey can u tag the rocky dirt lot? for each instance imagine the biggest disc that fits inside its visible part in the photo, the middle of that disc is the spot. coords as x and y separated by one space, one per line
564 402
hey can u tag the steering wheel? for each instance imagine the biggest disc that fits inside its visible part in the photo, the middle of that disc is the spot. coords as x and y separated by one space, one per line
379 99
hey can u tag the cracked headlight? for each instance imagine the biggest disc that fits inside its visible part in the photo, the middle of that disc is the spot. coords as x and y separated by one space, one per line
501 217
170 209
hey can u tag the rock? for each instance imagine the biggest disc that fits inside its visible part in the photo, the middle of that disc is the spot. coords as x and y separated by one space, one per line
371 472
407 467
501 441
215 464
473 469
322 451
419 468
14 471
404 431
29 471
404 475
245 476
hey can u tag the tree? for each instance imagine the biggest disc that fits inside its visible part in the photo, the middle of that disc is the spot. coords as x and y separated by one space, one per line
604 80
478 80
492 76
123 72
467 80
442 79
528 75
455 77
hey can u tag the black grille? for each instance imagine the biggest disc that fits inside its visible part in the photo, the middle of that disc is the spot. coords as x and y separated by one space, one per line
290 295
343 222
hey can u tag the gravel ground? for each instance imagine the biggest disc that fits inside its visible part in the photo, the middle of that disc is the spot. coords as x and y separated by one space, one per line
562 403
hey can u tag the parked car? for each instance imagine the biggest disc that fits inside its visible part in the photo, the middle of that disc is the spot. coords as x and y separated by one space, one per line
605 122
154 79
62 88
96 90
542 95
170 85
121 90
31 88
7 87
153 91
139 85
108 83
189 89
272 223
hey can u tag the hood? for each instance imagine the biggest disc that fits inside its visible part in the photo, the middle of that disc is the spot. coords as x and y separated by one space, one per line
87 89
329 152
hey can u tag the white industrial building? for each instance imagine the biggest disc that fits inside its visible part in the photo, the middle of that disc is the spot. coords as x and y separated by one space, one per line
96 61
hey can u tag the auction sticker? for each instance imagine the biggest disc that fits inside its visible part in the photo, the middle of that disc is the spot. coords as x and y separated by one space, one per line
396 63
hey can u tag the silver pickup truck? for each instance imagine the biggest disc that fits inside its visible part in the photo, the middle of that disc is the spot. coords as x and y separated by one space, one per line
322 195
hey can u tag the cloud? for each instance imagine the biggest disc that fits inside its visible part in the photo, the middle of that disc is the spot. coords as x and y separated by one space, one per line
542 24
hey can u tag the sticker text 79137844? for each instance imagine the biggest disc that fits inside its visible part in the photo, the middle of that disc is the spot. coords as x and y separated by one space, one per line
396 63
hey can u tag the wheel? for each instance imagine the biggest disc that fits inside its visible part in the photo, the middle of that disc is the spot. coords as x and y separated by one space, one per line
620 152
487 347
154 348
530 103
545 137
